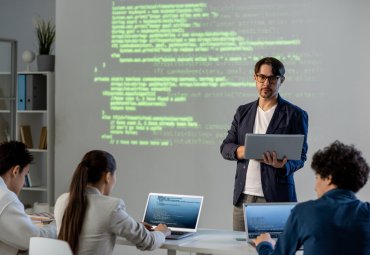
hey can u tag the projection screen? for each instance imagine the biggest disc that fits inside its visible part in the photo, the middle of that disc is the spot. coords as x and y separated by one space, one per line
157 83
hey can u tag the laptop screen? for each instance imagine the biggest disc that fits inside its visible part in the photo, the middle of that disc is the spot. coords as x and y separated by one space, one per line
178 212
266 217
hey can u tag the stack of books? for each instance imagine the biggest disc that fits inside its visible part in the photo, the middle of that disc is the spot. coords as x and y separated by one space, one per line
42 218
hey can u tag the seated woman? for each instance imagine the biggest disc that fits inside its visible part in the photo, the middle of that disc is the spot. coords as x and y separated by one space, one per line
89 219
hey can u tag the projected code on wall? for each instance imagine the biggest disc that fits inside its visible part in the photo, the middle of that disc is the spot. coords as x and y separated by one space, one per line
177 62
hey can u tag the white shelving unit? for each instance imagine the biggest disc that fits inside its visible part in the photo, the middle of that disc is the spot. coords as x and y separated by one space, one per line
42 167
7 106
8 81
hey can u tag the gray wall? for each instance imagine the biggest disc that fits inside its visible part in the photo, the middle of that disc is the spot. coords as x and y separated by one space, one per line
16 22
341 115
336 111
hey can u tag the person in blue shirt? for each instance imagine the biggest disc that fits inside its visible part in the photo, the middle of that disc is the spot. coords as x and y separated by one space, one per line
335 223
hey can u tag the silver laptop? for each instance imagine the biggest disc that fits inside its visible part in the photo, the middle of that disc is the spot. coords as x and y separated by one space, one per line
266 218
179 212
289 146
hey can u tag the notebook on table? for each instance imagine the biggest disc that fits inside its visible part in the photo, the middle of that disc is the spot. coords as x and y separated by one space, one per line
179 212
266 218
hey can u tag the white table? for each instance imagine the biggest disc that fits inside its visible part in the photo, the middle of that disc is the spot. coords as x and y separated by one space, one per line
207 241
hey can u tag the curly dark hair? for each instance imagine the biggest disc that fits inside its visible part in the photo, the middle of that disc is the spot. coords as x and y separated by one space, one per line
344 163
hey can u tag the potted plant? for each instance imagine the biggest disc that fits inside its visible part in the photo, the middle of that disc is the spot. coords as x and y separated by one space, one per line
45 31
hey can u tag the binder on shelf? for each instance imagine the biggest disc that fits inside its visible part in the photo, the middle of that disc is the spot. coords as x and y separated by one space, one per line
26 181
25 135
21 92
43 139
35 92
34 176
29 180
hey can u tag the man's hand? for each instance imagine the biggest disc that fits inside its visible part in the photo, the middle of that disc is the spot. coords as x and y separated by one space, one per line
240 152
271 159
164 229
265 237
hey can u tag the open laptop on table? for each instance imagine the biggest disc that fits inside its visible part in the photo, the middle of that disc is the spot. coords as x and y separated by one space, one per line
179 212
266 218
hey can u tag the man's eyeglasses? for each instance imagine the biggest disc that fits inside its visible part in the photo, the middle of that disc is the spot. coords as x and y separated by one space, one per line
272 79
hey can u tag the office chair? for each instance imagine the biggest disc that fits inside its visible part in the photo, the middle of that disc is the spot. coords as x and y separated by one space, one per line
47 246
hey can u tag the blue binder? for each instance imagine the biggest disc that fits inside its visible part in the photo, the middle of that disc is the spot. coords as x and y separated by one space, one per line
21 102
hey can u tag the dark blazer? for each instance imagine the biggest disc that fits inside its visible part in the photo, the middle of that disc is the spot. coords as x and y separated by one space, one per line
277 184
337 223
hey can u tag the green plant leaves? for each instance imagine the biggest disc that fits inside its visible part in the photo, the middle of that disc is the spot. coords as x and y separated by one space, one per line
45 31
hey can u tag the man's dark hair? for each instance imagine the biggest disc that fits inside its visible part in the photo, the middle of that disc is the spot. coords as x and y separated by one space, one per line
277 67
345 164
13 153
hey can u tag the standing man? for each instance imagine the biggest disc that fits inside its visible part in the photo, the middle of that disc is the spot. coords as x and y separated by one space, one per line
337 222
269 180
16 228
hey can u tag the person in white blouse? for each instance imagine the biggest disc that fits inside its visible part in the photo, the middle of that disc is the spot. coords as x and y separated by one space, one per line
16 227
90 220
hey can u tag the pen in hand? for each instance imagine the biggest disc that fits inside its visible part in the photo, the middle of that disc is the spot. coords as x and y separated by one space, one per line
148 226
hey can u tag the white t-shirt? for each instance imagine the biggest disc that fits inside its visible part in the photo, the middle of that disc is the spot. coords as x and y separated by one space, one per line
253 184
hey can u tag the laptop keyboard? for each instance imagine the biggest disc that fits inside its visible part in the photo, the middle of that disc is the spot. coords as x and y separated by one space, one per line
272 234
177 233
